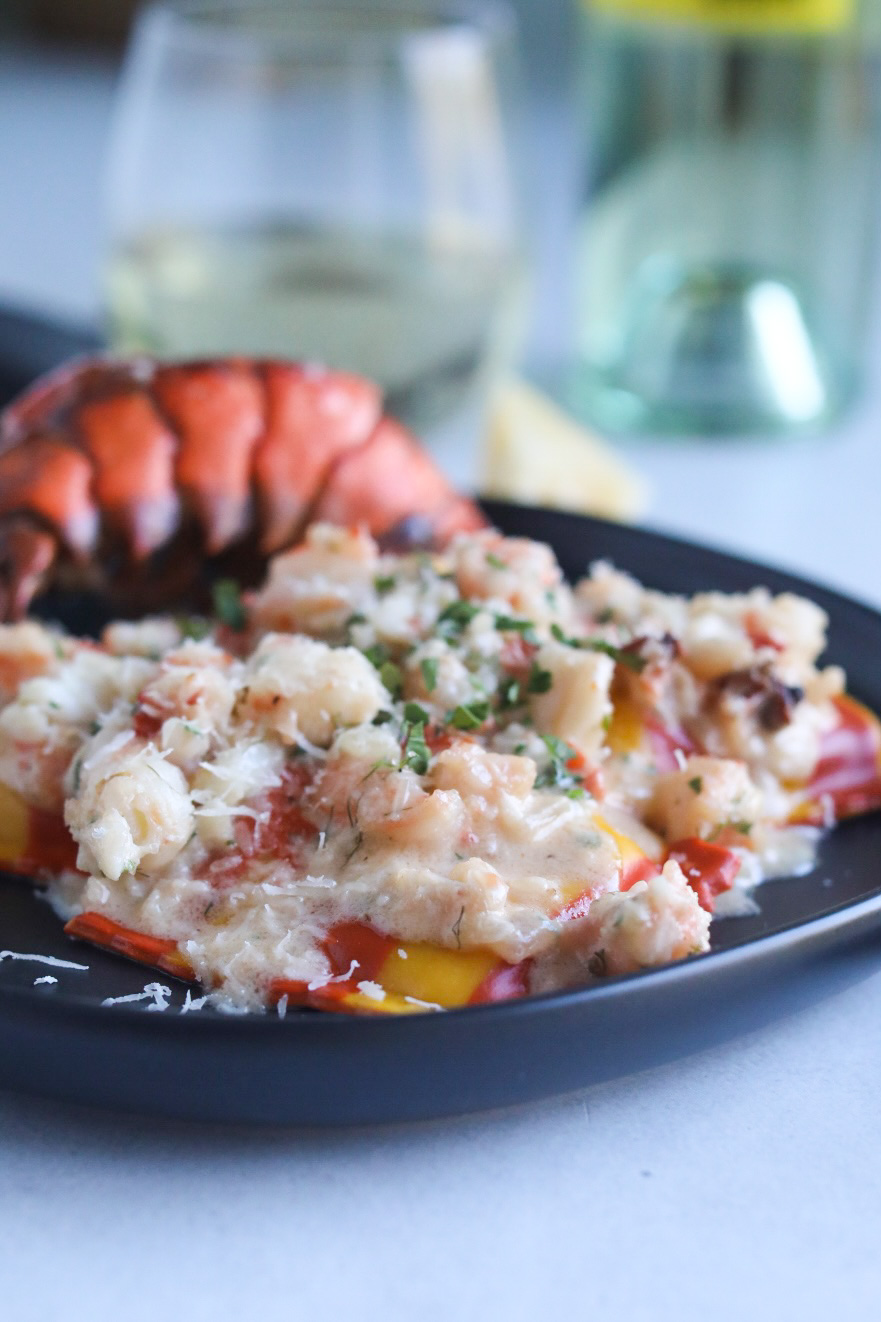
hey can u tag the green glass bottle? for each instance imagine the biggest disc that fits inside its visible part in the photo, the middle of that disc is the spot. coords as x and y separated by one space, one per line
726 250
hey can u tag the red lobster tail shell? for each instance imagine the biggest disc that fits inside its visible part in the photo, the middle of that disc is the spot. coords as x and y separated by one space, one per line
106 462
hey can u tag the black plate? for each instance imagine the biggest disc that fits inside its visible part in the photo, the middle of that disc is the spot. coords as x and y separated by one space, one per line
57 1039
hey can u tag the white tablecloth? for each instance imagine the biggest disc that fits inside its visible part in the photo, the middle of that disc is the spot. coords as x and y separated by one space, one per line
743 1182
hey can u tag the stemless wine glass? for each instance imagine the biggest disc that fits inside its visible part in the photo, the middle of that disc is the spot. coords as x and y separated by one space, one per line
319 179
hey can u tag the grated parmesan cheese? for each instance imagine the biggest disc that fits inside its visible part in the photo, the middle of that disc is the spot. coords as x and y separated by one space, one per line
156 992
44 959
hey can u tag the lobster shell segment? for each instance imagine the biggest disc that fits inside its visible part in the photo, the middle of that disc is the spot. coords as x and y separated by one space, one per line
116 472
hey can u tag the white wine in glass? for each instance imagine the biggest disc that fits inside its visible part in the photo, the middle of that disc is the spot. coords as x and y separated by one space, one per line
319 181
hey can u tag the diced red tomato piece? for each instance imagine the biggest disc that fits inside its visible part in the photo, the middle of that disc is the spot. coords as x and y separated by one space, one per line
709 869
641 869
848 773
346 942
146 724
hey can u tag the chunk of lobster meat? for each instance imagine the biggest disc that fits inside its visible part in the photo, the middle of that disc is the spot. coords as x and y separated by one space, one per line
250 769
45 724
50 479
300 688
133 452
390 481
576 705
706 796
217 412
513 569
312 417
652 923
27 649
131 811
316 587
481 775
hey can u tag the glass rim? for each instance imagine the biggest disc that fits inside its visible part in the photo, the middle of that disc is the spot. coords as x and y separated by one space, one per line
230 27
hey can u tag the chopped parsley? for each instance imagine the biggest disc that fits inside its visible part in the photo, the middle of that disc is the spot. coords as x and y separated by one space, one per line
494 561
696 784
228 605
556 774
742 828
561 637
389 673
194 626
469 716
632 660
357 618
539 680
391 676
428 666
620 655
382 718
456 617
416 754
511 624
384 583
509 692
414 714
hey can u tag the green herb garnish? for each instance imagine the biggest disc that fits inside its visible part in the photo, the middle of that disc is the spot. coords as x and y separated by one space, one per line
384 583
416 754
228 605
557 774
428 666
539 681
391 676
511 624
414 714
494 561
561 637
632 660
509 692
455 617
469 716
696 784
194 626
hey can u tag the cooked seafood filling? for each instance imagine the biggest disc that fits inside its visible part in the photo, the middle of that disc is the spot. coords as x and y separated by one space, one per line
394 782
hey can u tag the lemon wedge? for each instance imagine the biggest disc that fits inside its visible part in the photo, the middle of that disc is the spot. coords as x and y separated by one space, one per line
538 455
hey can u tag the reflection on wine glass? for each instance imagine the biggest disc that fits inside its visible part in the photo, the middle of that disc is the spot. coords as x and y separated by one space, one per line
320 180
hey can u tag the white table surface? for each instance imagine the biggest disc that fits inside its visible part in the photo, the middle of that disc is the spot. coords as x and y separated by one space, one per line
744 1181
